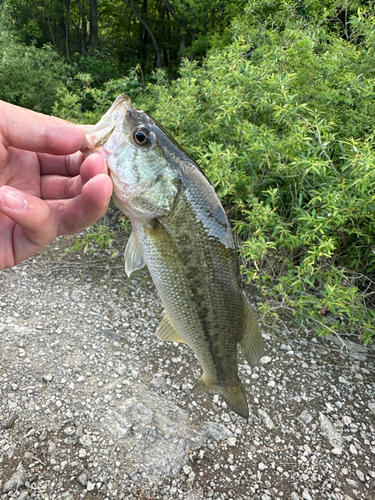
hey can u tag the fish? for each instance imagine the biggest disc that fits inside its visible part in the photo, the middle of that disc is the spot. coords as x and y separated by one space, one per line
181 231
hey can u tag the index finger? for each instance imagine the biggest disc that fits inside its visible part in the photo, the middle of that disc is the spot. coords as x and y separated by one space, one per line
31 131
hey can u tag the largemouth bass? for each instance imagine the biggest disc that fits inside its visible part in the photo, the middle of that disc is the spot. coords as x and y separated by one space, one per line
180 230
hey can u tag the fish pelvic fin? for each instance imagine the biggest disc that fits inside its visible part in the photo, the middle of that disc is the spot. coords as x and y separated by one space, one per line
133 256
251 342
167 331
233 395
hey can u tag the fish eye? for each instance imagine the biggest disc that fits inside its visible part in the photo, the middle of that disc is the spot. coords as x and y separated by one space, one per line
141 136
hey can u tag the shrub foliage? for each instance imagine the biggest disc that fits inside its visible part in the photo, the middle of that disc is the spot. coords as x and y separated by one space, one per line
280 116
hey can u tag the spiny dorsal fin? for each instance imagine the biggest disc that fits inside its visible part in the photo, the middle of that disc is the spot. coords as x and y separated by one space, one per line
251 341
133 256
167 331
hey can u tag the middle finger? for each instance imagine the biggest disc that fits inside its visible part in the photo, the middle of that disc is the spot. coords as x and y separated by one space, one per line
55 187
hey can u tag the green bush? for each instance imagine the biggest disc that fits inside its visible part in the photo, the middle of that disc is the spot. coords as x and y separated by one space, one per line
29 77
281 120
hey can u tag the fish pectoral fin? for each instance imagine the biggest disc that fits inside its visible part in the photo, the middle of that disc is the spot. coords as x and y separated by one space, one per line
233 395
133 256
167 331
251 342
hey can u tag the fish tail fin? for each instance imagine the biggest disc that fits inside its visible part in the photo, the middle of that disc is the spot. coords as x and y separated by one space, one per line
233 395
236 399
251 342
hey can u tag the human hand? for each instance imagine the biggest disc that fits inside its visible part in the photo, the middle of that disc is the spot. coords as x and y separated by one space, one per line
47 187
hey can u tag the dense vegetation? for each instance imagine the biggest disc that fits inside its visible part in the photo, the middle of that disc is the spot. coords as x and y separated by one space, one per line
276 102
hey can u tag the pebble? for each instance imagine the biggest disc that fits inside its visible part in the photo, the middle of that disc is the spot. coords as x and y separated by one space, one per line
353 449
266 419
360 475
119 367
265 360
17 479
327 429
90 486
70 430
306 495
82 479
231 441
306 417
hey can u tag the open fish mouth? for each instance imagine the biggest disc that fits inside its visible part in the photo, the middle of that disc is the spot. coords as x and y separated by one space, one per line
108 134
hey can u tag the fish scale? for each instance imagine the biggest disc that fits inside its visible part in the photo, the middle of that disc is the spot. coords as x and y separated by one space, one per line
180 230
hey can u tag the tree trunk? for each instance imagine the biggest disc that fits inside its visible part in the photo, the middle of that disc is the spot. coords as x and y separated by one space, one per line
149 31
83 30
94 25
182 25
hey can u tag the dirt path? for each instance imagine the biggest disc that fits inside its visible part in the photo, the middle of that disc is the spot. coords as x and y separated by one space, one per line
93 406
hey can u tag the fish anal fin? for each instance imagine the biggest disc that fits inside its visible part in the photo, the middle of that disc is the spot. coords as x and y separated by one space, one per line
234 395
133 256
251 342
201 385
167 331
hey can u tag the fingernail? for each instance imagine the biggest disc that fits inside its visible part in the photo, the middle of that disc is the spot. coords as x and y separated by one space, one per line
10 198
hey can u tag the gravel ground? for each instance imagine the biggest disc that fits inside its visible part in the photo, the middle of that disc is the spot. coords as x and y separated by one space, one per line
93 406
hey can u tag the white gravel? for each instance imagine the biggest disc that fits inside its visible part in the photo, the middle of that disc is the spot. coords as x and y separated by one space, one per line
93 406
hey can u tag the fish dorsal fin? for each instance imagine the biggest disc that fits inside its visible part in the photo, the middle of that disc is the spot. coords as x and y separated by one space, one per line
167 331
251 341
133 256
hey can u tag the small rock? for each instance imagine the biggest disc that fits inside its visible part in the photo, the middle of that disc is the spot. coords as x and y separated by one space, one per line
231 441
47 378
266 419
18 478
85 441
187 469
69 431
306 495
337 450
82 479
90 486
10 423
360 475
294 496
343 380
353 449
352 483
306 417
262 466
50 446
218 432
119 367
265 360
327 429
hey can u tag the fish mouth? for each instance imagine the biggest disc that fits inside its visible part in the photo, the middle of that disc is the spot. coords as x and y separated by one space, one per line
106 136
